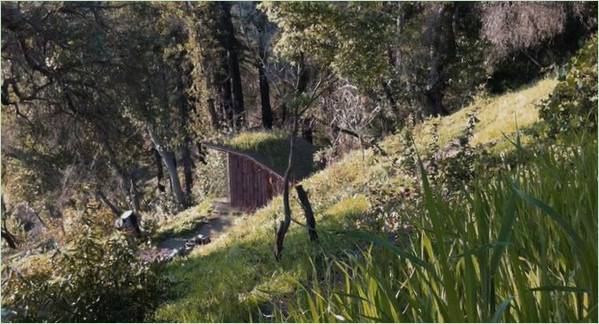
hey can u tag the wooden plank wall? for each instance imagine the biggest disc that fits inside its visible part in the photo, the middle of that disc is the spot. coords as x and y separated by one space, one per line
251 186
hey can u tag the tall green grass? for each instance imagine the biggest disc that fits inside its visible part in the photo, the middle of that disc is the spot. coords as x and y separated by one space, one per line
518 247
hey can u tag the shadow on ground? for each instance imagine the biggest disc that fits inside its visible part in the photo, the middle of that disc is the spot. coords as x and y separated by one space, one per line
240 282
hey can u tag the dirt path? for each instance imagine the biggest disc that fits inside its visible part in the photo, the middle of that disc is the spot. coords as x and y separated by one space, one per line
222 218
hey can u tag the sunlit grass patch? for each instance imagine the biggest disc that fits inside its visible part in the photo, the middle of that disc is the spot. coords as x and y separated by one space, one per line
254 141
501 114
185 222
272 149
497 115
229 281
348 208
31 264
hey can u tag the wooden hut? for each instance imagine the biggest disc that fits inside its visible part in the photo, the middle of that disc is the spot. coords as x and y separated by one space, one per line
256 177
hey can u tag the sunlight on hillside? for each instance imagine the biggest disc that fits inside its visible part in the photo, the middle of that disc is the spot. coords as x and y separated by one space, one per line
247 272
252 141
304 161
497 115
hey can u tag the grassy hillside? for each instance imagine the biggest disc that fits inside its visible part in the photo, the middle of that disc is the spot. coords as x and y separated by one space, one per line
229 278
272 149
499 114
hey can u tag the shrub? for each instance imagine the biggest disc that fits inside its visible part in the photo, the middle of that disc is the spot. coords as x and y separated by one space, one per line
391 207
212 178
573 103
97 279
454 166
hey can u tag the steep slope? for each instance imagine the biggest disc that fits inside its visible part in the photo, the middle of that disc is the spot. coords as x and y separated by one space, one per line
230 277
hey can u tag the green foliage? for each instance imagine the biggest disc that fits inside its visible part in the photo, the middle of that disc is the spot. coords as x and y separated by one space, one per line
464 73
452 167
518 248
212 178
392 206
115 75
573 103
208 56
407 159
349 38
95 280
349 210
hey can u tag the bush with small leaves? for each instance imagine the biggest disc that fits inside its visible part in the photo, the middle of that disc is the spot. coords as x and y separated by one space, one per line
573 103
95 279
212 177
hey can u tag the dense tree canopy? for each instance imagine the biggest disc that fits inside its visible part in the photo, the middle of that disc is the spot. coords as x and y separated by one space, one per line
98 96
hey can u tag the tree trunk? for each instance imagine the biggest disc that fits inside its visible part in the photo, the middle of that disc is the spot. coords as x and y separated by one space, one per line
442 53
394 59
214 120
168 158
101 196
308 130
230 44
6 234
303 76
171 166
238 108
392 102
170 182
10 239
284 225
201 153
265 98
301 86
185 108
187 166
123 175
134 195
263 79
227 104
124 181
434 102
185 147
129 190
308 213
159 170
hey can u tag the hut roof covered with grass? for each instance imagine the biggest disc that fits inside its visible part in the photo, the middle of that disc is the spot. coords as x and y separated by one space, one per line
256 165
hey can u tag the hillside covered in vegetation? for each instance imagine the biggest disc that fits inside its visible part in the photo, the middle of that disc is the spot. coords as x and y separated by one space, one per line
420 161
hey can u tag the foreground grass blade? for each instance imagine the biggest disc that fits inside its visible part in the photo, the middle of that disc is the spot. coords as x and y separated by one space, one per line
364 236
504 307
553 214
